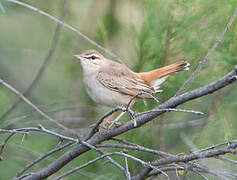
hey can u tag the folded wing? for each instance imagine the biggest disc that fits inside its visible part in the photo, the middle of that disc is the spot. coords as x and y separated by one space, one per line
124 81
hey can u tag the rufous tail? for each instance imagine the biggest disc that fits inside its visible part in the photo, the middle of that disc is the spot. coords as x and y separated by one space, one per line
164 71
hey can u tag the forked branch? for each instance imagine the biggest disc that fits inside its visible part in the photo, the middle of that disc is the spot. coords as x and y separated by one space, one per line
171 103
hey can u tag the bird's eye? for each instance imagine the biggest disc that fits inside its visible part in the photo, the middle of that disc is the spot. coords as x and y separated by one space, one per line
93 57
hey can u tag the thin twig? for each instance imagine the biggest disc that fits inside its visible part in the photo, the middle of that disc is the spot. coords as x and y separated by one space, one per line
219 39
11 131
35 107
159 153
138 94
76 151
131 102
227 160
46 61
220 174
172 109
215 146
126 168
137 148
2 146
28 166
129 145
39 129
111 154
80 167
193 156
190 157
96 126
108 157
67 26
25 175
51 158
165 169
196 169
42 129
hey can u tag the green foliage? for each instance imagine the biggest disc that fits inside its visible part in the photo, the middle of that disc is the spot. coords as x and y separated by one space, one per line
148 34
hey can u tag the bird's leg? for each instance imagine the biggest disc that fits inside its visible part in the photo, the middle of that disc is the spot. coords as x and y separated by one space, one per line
107 120
116 120
104 121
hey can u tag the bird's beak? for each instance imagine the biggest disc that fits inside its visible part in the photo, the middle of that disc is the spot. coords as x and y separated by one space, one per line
78 56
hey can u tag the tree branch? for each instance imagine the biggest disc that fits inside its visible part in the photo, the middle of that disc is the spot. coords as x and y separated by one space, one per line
46 61
108 157
171 103
219 39
2 146
28 166
39 129
112 154
189 157
69 27
36 108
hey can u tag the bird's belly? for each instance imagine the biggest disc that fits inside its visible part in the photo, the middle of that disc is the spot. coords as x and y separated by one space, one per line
102 95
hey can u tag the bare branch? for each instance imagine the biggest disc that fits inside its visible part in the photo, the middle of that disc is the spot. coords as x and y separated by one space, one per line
227 160
215 146
2 146
126 168
196 169
186 158
96 126
159 153
212 153
172 109
67 26
46 61
11 131
39 129
137 147
28 166
131 102
138 94
82 166
92 140
220 174
108 157
111 154
171 103
35 107
219 39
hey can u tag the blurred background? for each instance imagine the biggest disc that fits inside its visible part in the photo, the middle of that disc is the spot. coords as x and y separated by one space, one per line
36 58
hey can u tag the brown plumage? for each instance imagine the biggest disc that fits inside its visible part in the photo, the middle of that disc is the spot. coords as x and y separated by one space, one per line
164 71
119 78
112 83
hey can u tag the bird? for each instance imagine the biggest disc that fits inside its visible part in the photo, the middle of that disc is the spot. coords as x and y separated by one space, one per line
114 84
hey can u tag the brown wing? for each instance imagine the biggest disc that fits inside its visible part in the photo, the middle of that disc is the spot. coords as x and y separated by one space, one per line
118 77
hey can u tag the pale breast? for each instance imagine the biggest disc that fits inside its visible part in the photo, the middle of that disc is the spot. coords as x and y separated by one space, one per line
102 95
